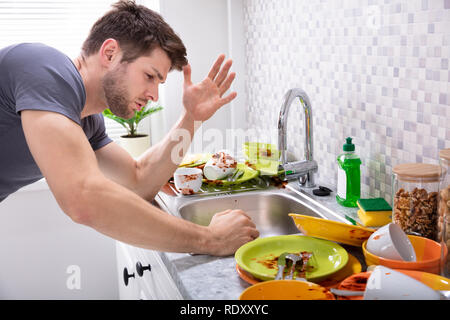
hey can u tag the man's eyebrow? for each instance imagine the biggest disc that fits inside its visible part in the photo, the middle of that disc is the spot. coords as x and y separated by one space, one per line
158 74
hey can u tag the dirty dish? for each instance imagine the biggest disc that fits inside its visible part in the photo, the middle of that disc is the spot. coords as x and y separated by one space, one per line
247 277
264 157
428 253
248 174
331 230
353 266
188 180
220 166
387 284
434 281
195 160
259 257
358 281
391 242
355 282
286 290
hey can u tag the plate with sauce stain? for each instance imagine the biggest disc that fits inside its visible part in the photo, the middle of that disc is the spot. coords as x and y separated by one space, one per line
331 230
259 257
332 281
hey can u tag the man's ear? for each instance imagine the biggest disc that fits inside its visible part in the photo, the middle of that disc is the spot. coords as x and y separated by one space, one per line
109 52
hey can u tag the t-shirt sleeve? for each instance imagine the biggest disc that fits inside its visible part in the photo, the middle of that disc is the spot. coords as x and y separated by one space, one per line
94 127
45 79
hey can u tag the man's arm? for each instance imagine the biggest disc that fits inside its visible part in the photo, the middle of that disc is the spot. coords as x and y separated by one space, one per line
146 175
67 161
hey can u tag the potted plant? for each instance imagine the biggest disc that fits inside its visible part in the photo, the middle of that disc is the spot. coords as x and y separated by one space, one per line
134 142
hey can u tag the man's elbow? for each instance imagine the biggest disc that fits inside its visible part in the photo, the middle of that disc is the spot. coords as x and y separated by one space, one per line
81 203
79 216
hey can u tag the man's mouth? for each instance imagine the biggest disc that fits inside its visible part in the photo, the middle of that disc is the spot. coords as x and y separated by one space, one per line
139 106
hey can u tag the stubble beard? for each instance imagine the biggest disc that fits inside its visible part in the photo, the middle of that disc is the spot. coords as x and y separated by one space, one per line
115 93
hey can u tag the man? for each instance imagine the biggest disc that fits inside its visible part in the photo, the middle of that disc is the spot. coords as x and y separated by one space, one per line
51 126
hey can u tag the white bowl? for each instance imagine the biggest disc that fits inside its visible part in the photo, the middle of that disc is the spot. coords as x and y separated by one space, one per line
387 284
391 242
188 180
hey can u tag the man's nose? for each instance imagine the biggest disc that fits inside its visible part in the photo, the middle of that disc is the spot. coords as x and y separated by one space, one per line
152 93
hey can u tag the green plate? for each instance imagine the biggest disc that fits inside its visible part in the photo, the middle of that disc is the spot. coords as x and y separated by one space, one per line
259 257
195 160
249 174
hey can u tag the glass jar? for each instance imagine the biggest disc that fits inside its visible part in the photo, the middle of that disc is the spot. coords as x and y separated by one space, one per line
444 210
415 189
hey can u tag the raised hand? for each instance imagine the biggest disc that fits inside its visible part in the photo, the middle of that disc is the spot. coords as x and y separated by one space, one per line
202 100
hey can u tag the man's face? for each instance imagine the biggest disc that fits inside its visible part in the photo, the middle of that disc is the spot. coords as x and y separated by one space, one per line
129 86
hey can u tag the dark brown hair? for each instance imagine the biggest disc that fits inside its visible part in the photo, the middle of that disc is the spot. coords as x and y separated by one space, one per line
138 30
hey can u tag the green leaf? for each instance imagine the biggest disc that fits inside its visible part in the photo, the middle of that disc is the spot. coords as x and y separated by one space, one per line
131 124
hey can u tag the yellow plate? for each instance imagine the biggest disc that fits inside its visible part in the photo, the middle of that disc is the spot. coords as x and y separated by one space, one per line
249 174
331 230
286 290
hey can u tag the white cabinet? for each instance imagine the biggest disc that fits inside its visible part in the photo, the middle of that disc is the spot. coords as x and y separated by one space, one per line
128 289
146 274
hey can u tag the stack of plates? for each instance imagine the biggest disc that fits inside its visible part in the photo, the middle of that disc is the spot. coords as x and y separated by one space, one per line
258 258
257 265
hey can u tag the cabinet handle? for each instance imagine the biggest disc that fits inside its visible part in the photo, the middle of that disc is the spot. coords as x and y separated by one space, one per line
140 269
126 275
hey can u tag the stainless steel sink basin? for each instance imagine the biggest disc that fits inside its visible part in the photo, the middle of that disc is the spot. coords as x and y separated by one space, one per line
268 209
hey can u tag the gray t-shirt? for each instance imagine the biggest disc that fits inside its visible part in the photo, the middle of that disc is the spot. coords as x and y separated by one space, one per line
38 77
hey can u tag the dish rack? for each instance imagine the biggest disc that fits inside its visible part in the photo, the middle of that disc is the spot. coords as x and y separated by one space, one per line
258 183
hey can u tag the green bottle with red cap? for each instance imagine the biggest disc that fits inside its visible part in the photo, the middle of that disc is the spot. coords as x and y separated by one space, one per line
349 176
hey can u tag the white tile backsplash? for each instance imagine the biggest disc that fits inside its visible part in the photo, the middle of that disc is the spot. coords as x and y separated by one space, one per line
376 70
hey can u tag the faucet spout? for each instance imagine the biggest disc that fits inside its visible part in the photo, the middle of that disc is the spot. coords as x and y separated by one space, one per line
309 164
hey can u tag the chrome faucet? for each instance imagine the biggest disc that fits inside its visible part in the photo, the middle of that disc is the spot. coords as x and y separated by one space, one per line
303 170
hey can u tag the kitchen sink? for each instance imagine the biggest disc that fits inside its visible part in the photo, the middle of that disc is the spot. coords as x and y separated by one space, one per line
269 211
268 208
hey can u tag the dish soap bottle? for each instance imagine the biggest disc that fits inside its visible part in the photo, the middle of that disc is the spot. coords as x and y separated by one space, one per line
349 176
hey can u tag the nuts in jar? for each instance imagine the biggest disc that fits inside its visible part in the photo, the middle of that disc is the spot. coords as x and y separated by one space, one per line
415 198
415 212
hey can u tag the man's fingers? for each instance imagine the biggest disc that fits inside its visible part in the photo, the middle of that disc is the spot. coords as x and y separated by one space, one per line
227 83
242 212
187 74
228 98
254 233
216 67
223 73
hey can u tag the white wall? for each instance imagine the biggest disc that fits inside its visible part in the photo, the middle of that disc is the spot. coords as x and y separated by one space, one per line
207 28
38 245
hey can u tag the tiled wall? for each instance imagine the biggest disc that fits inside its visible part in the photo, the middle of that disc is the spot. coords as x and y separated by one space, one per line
375 70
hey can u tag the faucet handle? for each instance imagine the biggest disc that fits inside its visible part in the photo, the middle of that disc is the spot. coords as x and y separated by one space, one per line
298 169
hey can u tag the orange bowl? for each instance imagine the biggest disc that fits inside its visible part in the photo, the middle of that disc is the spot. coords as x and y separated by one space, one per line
428 254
